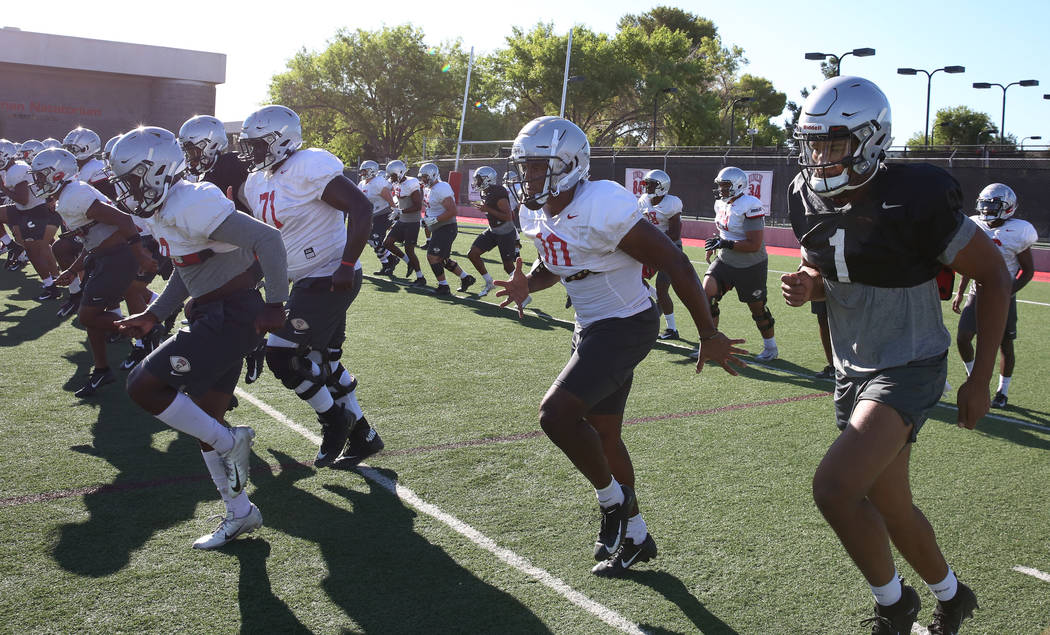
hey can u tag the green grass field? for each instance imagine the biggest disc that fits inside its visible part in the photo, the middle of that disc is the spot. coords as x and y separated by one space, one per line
471 521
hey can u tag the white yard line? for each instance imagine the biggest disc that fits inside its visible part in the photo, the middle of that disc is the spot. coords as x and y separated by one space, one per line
1035 573
604 613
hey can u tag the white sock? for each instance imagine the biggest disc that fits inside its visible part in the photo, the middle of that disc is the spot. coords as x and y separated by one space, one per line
5 239
669 317
74 287
153 295
487 277
48 281
462 274
888 594
240 505
322 399
443 283
636 529
349 400
769 342
186 416
138 344
969 368
404 259
218 475
610 495
419 274
946 588
1004 384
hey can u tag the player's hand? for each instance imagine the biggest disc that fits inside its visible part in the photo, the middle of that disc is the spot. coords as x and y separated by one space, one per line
712 244
797 287
973 401
430 221
343 279
254 363
229 192
137 325
146 262
721 350
65 278
394 214
957 303
514 290
271 319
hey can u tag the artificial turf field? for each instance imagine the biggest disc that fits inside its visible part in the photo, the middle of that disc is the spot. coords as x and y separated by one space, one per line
471 521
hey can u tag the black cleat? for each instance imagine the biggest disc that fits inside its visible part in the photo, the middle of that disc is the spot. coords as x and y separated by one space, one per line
409 270
626 556
827 373
137 354
898 618
419 282
50 292
614 526
96 380
71 305
999 400
947 616
668 334
442 290
464 283
364 442
335 428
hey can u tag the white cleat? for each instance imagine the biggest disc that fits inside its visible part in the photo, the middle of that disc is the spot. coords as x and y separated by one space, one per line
768 354
235 462
947 388
695 354
488 287
229 529
526 301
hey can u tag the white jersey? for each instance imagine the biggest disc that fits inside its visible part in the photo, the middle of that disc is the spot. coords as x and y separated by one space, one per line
582 241
93 171
660 214
373 190
1012 237
72 204
18 173
403 197
434 198
731 217
289 199
186 220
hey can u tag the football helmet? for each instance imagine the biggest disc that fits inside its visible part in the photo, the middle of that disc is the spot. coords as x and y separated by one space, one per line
82 142
996 202
562 146
104 155
202 139
145 163
28 150
656 183
484 178
843 133
268 136
730 183
368 170
51 142
429 174
51 169
396 171
8 152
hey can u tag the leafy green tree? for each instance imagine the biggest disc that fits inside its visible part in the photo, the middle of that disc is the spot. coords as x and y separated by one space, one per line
765 102
693 26
958 125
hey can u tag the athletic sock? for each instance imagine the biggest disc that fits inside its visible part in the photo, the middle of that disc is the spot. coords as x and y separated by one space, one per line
240 505
1004 384
48 281
5 239
487 277
610 495
218 475
419 274
74 287
670 321
463 274
769 342
946 588
186 416
322 399
969 367
443 283
636 529
888 594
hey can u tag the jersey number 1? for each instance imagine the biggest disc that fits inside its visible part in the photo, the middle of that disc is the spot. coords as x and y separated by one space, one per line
267 198
838 243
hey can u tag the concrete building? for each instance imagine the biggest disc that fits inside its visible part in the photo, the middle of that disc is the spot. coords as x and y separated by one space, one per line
50 84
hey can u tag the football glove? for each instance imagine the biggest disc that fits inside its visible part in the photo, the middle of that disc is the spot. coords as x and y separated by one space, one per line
395 214
255 361
712 244
430 221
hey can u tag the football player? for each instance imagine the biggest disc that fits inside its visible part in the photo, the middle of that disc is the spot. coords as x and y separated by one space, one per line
665 211
996 207
188 381
439 216
501 232
409 200
10 243
742 261
874 237
303 193
591 237
37 223
375 186
204 142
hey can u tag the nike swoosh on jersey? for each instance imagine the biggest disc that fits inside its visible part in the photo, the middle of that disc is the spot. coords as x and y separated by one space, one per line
571 216
889 206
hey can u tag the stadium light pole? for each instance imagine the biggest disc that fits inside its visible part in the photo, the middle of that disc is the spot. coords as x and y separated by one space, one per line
656 102
463 114
863 52
1034 137
571 80
565 77
929 80
732 115
1002 119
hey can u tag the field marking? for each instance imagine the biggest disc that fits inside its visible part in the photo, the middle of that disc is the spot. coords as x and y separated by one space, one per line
1035 573
605 614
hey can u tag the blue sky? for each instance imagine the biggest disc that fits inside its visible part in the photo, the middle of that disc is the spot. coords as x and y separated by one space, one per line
1000 42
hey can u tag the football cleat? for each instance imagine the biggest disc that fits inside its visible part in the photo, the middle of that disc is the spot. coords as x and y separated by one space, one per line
668 334
336 423
768 354
71 305
999 400
409 270
230 528
235 462
419 282
464 283
442 290
614 526
626 556
568 302
50 292
364 442
827 373
137 354
947 616
695 354
898 618
486 290
96 380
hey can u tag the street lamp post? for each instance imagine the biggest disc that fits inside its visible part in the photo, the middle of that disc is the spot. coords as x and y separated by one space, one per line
656 102
929 79
1002 120
864 52
732 115
571 80
1034 137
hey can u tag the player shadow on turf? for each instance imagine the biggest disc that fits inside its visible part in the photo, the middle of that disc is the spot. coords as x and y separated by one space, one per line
675 591
381 572
261 610
17 327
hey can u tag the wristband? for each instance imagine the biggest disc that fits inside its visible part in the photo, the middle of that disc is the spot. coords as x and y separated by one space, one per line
726 244
704 338
348 264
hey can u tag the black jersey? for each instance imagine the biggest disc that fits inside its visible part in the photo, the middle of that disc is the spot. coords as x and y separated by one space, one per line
892 238
229 171
491 198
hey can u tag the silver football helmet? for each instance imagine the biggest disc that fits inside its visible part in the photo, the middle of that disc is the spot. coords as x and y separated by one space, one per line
565 150
202 139
269 135
484 178
29 149
51 169
843 133
730 183
656 183
145 163
368 170
109 148
396 171
8 152
51 142
82 142
996 202
429 174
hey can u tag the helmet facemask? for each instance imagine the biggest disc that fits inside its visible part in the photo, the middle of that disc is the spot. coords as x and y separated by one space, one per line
540 178
133 196
993 209
200 156
256 152
834 161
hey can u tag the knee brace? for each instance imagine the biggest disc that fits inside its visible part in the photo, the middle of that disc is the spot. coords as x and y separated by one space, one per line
450 265
715 311
293 368
437 269
764 321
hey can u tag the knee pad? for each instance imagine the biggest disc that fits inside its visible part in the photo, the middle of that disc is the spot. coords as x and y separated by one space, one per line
450 265
715 311
341 382
764 321
292 367
437 269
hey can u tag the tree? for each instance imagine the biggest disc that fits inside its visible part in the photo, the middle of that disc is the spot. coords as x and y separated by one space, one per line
692 26
765 102
958 125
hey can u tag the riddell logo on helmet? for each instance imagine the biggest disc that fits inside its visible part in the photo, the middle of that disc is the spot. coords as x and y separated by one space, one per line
812 126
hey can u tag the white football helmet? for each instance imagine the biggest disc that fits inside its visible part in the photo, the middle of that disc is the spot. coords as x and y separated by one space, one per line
202 139
429 174
145 163
566 151
269 135
51 142
368 170
843 133
996 202
8 152
51 169
396 171
104 155
82 142
656 183
29 149
484 178
730 183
